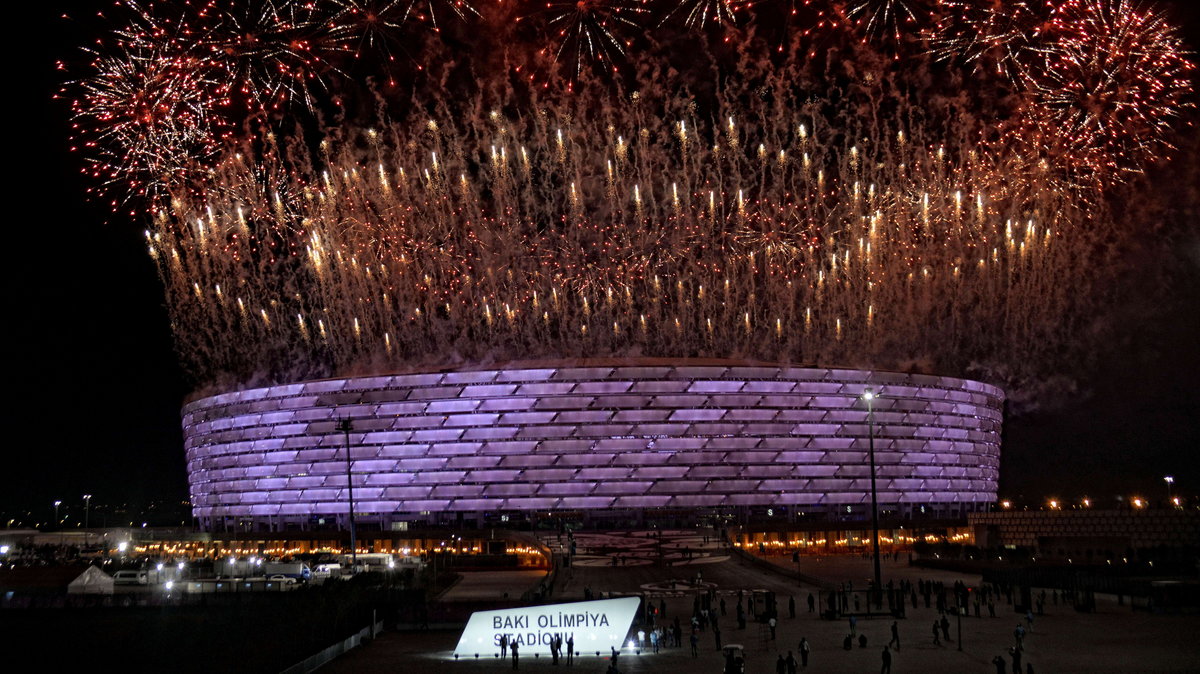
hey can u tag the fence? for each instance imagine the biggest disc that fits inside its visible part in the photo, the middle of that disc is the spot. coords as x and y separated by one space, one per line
314 662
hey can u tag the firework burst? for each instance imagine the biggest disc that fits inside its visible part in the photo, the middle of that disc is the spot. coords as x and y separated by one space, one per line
995 34
372 27
591 31
776 241
890 18
1108 85
771 205
272 52
149 120
430 11
699 14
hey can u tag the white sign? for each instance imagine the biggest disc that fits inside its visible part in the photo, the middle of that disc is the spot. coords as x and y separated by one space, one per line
595 625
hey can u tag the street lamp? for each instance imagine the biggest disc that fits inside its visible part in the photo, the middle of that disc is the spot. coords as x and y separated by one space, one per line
1170 481
87 504
345 426
869 397
56 520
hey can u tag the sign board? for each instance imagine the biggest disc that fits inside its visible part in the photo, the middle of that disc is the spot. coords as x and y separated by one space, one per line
596 626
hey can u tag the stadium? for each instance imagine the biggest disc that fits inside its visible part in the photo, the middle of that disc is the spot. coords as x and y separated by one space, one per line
808 191
593 439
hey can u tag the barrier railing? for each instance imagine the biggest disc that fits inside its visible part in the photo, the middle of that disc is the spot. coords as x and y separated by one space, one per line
328 654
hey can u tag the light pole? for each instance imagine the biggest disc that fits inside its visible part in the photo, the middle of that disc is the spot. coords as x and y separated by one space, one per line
869 397
1170 481
87 507
345 426
56 520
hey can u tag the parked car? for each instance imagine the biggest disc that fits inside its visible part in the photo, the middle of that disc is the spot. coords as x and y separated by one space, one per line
282 579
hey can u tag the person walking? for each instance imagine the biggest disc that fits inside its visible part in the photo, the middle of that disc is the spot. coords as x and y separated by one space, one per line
946 628
717 635
895 635
887 661
695 641
503 646
514 654
791 607
803 653
792 665
1000 664
781 665
1029 619
937 641
812 603
654 640
771 624
853 626
1016 656
571 649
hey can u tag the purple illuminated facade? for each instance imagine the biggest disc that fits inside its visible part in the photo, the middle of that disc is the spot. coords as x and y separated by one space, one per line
705 436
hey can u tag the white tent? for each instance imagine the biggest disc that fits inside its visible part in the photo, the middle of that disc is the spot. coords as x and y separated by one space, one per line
91 581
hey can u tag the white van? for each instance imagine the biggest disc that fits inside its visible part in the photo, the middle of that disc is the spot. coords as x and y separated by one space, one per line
327 571
131 577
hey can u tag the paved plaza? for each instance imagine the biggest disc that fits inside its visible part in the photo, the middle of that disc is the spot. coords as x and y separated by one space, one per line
1113 639
491 585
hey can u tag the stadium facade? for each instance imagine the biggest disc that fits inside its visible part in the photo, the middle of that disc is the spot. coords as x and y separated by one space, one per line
593 438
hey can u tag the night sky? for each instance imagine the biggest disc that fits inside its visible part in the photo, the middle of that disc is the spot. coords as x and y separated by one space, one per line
94 390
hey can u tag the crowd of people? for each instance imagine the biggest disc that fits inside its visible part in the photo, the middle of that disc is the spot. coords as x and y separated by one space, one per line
957 599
